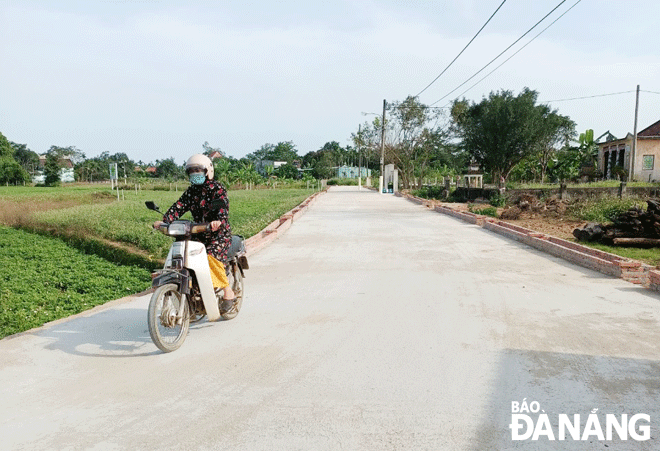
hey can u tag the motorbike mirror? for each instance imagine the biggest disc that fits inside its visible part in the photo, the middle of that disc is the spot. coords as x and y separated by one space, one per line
152 206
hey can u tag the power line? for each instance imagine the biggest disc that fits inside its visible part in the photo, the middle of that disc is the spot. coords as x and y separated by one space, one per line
504 51
518 51
461 52
650 92
589 97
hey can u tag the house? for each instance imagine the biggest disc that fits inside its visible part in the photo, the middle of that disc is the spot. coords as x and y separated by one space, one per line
262 165
614 155
151 170
215 155
352 172
66 170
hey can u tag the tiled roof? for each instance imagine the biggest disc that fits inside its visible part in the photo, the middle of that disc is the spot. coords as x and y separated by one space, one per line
653 130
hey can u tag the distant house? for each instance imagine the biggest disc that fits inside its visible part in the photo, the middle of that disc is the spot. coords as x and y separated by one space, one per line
66 171
150 170
614 155
262 165
351 172
215 155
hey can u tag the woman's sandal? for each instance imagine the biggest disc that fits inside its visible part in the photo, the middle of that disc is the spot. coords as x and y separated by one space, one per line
227 304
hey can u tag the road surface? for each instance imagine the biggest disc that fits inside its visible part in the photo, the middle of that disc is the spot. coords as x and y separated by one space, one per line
371 324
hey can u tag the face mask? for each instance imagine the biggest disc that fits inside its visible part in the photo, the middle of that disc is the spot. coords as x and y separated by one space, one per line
197 178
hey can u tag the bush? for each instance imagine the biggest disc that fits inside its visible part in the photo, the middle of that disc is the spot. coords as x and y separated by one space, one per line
486 211
342 181
497 199
603 210
430 192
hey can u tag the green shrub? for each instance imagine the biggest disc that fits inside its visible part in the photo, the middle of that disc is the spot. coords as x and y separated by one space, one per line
603 210
430 192
486 211
497 199
342 181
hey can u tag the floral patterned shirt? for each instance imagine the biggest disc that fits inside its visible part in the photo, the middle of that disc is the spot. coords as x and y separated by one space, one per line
196 199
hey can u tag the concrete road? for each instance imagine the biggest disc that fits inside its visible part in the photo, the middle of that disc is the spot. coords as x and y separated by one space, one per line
372 324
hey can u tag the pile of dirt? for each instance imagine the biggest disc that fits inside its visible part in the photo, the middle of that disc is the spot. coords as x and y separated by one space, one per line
545 217
530 207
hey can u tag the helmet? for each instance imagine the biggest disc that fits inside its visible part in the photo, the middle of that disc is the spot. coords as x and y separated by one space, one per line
200 161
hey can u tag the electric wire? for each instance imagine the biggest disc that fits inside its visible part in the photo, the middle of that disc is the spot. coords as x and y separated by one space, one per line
504 51
518 51
461 52
589 97
650 92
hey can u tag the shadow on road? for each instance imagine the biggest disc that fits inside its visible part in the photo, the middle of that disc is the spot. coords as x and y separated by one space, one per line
112 333
566 383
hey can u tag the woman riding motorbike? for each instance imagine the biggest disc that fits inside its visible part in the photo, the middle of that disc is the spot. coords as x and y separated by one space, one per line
197 199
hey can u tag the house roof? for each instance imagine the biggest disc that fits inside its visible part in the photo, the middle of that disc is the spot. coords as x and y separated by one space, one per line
650 131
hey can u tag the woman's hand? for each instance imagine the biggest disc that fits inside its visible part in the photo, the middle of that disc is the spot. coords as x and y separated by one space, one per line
157 224
215 225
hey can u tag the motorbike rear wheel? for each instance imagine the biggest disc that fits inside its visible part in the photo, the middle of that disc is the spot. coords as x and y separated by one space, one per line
237 286
167 332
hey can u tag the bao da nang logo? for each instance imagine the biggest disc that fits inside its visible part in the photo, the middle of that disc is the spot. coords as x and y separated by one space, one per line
530 422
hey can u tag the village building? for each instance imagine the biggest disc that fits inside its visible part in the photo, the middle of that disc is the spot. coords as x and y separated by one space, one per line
614 155
66 170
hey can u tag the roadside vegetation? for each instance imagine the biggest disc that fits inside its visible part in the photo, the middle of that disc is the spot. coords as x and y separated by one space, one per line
44 279
65 250
603 210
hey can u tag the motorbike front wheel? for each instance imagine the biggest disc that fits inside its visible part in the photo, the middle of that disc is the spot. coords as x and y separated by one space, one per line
168 318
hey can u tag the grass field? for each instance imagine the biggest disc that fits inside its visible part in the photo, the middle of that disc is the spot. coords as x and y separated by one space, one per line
43 279
129 221
64 250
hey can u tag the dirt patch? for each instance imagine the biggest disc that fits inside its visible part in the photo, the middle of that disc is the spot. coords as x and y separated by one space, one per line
552 222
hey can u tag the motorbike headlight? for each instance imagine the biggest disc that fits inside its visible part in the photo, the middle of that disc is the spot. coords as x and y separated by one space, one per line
176 229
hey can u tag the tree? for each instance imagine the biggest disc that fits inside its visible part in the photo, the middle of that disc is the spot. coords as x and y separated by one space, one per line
97 168
283 151
6 149
323 166
168 169
11 172
287 171
501 130
571 159
28 159
53 166
555 134
367 140
415 138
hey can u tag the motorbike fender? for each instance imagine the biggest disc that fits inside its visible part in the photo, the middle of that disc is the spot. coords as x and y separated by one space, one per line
179 278
199 263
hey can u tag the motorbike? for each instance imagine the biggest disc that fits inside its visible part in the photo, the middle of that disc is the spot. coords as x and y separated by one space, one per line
183 289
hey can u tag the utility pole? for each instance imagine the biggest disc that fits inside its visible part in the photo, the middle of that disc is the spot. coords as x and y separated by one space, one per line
631 170
381 179
359 157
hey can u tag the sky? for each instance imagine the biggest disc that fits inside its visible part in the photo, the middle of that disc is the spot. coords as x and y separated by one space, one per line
156 78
